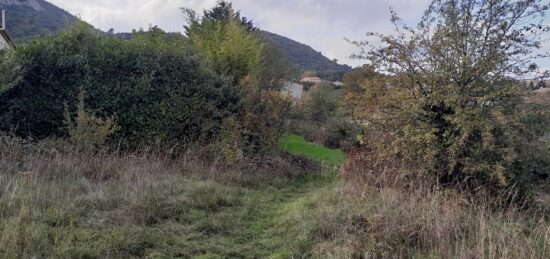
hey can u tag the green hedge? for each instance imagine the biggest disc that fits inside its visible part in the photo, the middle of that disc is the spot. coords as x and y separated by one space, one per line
157 88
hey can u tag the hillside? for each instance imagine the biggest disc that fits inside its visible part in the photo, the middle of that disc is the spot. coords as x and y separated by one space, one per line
306 58
30 18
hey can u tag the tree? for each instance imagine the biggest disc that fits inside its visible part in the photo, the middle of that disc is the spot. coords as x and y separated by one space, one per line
440 99
223 13
321 103
230 49
256 69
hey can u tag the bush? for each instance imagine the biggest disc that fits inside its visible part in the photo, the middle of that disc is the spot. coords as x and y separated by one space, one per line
451 116
158 88
87 130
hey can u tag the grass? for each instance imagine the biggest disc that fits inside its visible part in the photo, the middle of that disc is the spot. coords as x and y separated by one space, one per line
56 202
297 145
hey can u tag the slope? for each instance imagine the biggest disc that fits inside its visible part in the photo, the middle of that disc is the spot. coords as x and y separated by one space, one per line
31 18
306 58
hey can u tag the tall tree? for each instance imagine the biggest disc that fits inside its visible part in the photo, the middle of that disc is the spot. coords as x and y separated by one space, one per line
443 97
223 12
234 49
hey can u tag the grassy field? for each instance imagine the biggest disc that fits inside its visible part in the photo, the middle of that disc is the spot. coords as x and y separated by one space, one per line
70 205
56 202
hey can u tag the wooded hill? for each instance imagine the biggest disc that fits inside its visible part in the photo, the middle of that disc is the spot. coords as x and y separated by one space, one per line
32 18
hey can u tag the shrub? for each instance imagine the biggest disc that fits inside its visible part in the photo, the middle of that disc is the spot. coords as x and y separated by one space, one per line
9 70
452 116
159 88
320 103
87 130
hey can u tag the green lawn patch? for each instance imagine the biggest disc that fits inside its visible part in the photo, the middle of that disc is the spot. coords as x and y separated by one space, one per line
297 145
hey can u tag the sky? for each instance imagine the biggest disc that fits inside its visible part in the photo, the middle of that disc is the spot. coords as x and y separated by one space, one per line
322 24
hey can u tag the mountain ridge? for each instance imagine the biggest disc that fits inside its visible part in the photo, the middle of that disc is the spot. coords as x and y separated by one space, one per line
27 19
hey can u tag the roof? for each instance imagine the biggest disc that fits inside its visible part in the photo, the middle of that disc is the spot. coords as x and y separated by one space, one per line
7 37
311 79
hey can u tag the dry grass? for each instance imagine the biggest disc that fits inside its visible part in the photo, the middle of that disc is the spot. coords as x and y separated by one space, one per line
392 223
58 202
394 216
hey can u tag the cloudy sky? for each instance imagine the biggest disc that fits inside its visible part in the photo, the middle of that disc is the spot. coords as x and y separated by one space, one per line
322 24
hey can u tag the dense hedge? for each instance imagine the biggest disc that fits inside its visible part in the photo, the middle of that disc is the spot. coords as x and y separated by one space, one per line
158 89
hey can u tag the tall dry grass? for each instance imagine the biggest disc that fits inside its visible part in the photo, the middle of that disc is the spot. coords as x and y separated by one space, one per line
387 214
58 200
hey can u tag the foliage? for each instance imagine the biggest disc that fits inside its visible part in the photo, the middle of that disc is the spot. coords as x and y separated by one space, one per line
318 117
230 141
223 12
159 88
87 130
320 103
9 70
255 68
230 49
444 107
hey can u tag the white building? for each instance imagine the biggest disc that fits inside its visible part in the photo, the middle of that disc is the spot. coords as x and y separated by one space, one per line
5 40
311 80
293 90
337 83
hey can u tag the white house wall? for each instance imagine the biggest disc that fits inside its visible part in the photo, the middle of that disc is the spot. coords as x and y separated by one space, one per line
3 43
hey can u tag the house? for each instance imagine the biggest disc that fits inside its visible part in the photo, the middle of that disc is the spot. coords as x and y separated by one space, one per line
294 90
311 80
5 40
338 84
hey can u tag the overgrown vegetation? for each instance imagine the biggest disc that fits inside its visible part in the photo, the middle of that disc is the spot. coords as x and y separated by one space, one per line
440 103
178 146
158 89
58 200
173 90
319 118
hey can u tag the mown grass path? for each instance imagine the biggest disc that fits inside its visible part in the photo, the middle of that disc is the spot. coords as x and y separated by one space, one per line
169 214
278 222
